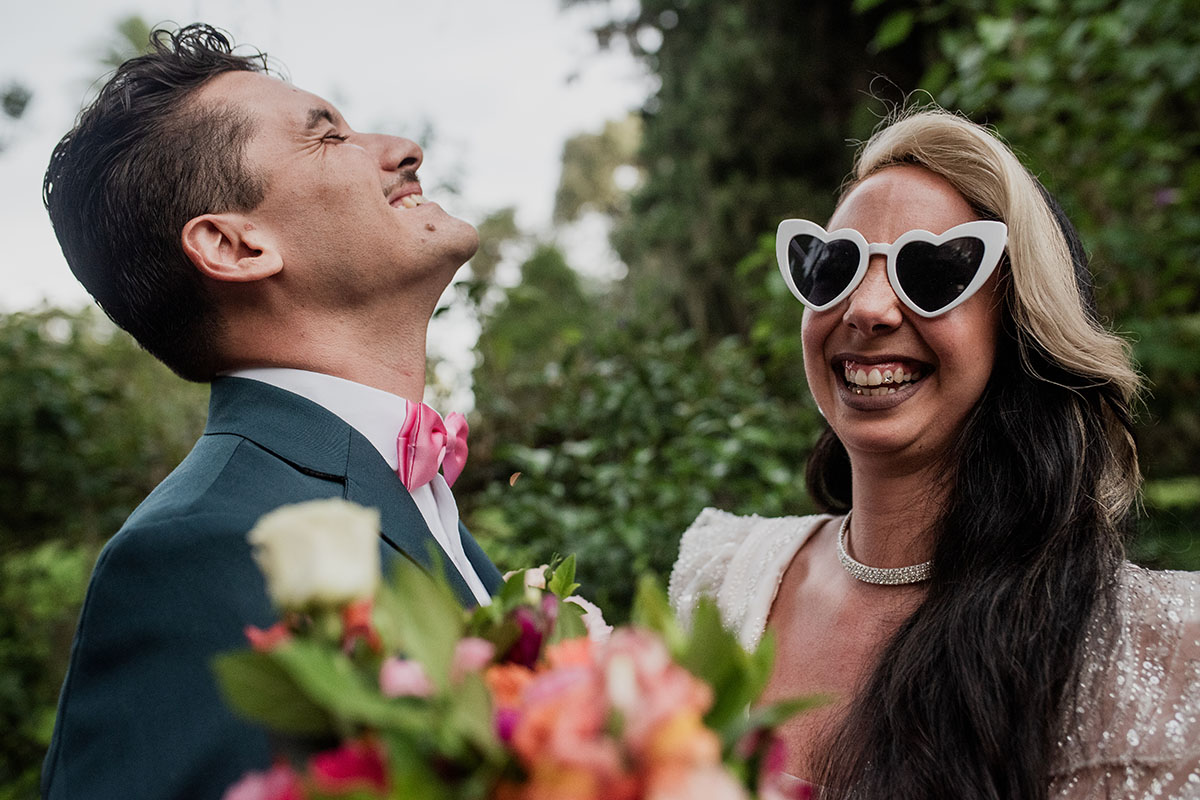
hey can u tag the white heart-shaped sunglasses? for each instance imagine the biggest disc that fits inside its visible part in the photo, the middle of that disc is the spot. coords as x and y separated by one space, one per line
930 273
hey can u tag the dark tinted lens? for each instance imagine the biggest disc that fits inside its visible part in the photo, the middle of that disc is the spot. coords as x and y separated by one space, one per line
821 270
934 275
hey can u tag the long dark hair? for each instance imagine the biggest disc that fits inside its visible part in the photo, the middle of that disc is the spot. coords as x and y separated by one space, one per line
967 697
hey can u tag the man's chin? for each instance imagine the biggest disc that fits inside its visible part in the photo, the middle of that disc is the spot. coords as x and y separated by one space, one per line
467 240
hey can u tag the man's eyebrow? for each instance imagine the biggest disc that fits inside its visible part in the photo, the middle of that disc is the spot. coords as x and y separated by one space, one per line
315 115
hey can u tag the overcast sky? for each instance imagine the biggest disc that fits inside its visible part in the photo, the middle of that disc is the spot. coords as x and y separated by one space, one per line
502 82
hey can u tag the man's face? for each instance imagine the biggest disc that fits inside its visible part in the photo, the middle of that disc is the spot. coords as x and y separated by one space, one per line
343 208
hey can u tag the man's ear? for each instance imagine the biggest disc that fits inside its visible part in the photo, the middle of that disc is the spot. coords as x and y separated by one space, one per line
229 247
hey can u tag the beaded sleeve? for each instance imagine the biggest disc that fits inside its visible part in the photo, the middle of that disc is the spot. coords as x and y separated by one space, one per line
1133 725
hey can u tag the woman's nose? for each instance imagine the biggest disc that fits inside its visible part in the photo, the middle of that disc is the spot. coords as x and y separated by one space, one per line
873 307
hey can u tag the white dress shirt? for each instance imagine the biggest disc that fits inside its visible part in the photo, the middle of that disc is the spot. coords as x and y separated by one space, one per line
378 416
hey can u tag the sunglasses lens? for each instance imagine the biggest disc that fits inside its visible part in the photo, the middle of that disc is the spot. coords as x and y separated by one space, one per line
934 275
821 270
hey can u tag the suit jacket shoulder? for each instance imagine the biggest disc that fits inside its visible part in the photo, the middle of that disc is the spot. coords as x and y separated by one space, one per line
140 713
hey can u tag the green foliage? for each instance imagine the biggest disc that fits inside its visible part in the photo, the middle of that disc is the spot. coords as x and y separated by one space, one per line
590 164
132 39
633 431
91 422
1102 100
89 425
14 98
756 101
41 589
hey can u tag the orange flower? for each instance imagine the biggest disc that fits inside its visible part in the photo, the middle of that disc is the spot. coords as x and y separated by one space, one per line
682 739
570 653
553 780
506 682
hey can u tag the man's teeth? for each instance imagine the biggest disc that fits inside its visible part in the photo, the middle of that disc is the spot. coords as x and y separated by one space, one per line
875 382
412 200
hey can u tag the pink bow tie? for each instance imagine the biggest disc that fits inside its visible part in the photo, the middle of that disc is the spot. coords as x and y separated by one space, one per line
426 443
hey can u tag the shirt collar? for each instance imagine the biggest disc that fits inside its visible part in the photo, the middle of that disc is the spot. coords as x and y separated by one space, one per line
376 414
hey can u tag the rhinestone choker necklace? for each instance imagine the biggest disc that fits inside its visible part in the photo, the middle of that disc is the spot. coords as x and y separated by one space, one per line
885 576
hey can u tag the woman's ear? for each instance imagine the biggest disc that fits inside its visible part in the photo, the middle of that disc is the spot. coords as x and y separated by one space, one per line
229 247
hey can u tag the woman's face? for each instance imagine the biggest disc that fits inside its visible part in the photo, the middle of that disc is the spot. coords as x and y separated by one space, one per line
871 334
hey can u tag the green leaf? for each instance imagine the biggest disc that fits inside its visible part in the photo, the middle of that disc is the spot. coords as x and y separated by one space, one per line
330 680
470 716
995 33
264 691
1177 493
863 6
775 714
652 610
426 617
569 624
562 582
513 592
894 30
411 769
714 655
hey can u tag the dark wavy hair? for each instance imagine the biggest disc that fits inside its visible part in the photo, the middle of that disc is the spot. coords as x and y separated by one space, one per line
144 158
966 699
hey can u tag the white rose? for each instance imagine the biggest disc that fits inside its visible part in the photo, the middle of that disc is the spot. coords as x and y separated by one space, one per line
319 553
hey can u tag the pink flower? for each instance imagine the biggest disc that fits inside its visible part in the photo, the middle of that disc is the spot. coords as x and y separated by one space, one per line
268 640
646 686
355 766
593 619
401 677
562 717
277 783
471 654
707 783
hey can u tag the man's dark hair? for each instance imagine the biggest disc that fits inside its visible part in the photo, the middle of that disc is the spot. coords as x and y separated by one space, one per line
141 161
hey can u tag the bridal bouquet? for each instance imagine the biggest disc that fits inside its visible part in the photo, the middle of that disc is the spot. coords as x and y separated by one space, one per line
393 691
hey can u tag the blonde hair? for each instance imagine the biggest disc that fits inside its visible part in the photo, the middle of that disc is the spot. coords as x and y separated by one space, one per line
1045 299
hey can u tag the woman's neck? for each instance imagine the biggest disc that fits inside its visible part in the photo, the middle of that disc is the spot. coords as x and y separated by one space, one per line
894 514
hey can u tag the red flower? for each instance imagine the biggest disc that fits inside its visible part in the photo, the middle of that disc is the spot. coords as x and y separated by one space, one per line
355 766
528 647
356 625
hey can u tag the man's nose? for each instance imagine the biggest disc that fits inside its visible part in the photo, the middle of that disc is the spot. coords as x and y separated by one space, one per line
396 152
873 306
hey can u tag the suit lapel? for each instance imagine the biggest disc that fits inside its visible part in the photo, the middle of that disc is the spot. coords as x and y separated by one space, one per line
317 441
484 568
370 482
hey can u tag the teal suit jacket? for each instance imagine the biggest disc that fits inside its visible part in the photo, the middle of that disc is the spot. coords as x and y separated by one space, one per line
140 715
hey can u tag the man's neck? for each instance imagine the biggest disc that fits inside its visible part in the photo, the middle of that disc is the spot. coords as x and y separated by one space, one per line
390 358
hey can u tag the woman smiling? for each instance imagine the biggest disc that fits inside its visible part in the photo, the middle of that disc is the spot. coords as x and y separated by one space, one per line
969 609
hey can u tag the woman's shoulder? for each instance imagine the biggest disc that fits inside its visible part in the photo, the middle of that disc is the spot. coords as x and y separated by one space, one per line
738 561
1134 723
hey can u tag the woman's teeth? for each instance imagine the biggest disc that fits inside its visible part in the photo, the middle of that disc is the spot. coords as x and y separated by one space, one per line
874 381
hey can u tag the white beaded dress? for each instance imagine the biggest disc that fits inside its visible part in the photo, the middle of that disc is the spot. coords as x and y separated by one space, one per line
1134 730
